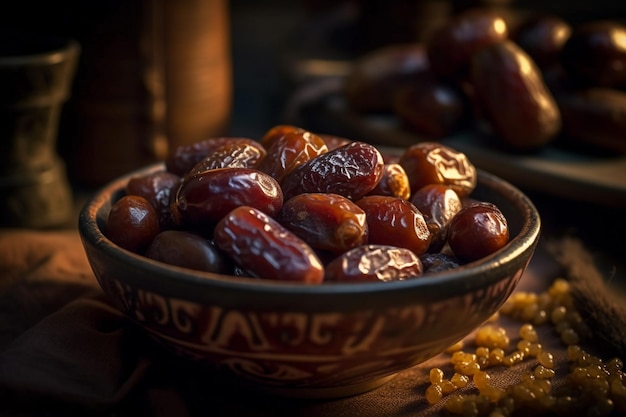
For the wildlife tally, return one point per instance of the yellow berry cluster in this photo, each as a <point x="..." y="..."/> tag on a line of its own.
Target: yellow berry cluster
<point x="590" y="386"/>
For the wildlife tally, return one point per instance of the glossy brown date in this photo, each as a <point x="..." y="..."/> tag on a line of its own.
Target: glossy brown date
<point x="476" y="231"/>
<point x="394" y="182"/>
<point x="433" y="163"/>
<point x="159" y="188"/>
<point x="184" y="157"/>
<point x="290" y="151"/>
<point x="595" y="53"/>
<point x="278" y="132"/>
<point x="234" y="154"/>
<point x="395" y="221"/>
<point x="595" y="117"/>
<point x="265" y="248"/>
<point x="432" y="109"/>
<point x="204" y="198"/>
<point x="439" y="204"/>
<point x="188" y="250"/>
<point x="543" y="36"/>
<point x="132" y="223"/>
<point x="371" y="263"/>
<point x="374" y="78"/>
<point x="451" y="46"/>
<point x="352" y="171"/>
<point x="513" y="97"/>
<point x="325" y="221"/>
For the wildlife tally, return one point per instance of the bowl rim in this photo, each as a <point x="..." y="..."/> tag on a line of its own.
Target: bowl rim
<point x="193" y="284"/>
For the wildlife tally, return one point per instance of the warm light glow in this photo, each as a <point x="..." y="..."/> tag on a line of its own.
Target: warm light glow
<point x="619" y="39"/>
<point x="499" y="26"/>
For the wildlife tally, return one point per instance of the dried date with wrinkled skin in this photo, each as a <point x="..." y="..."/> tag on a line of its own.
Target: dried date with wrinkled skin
<point x="352" y="171"/>
<point x="235" y="154"/>
<point x="435" y="262"/>
<point x="328" y="222"/>
<point x="204" y="198"/>
<point x="371" y="263"/>
<point x="278" y="132"/>
<point x="265" y="248"/>
<point x="476" y="231"/>
<point x="291" y="150"/>
<point x="394" y="182"/>
<point x="433" y="163"/>
<point x="439" y="204"/>
<point x="184" y="157"/>
<point x="395" y="221"/>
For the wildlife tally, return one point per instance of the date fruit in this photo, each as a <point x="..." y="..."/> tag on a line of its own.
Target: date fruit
<point x="595" y="53"/>
<point x="184" y="157"/>
<point x="595" y="116"/>
<point x="159" y="188"/>
<point x="204" y="198"/>
<point x="369" y="263"/>
<point x="394" y="182"/>
<point x="513" y="97"/>
<point x="265" y="248"/>
<point x="352" y="170"/>
<point x="451" y="46"/>
<point x="188" y="250"/>
<point x="132" y="223"/>
<point x="325" y="221"/>
<point x="395" y="221"/>
<point x="439" y="204"/>
<point x="234" y="154"/>
<point x="476" y="231"/>
<point x="291" y="150"/>
<point x="434" y="163"/>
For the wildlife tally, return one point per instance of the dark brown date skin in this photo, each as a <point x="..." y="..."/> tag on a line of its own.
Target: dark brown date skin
<point x="291" y="150"/>
<point x="439" y="204"/>
<point x="595" y="54"/>
<point x="188" y="250"/>
<point x="371" y="263"/>
<point x="543" y="36"/>
<point x="278" y="132"/>
<point x="376" y="76"/>
<point x="184" y="157"/>
<point x="265" y="248"/>
<point x="435" y="262"/>
<point x="159" y="188"/>
<point x="395" y="221"/>
<point x="513" y="97"/>
<point x="595" y="117"/>
<point x="434" y="163"/>
<point x="204" y="198"/>
<point x="394" y="182"/>
<point x="432" y="109"/>
<point x="132" y="223"/>
<point x="476" y="231"/>
<point x="451" y="46"/>
<point x="352" y="171"/>
<point x="235" y="154"/>
<point x="328" y="222"/>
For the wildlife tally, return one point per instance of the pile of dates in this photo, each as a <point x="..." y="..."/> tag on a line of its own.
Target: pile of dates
<point x="311" y="208"/>
<point x="527" y="80"/>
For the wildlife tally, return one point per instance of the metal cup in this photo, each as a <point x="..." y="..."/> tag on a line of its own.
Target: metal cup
<point x="36" y="74"/>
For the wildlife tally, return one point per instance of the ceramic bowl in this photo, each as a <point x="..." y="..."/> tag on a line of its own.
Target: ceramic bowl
<point x="299" y="340"/>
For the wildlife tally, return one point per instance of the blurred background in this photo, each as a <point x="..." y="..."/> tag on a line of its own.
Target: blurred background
<point x="157" y="73"/>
